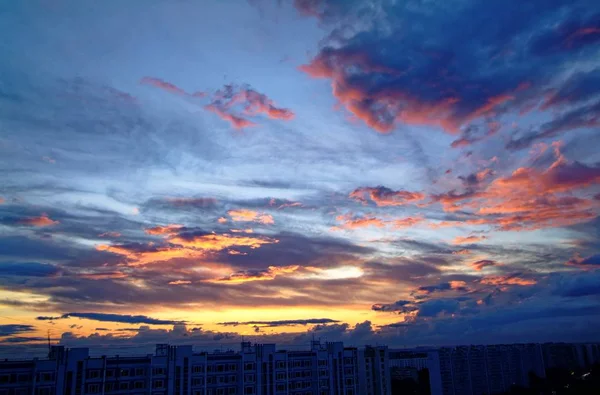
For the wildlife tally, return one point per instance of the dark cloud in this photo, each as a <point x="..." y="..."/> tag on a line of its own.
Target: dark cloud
<point x="432" y="308"/>
<point x="400" y="306"/>
<point x="308" y="321"/>
<point x="27" y="269"/>
<point x="104" y="317"/>
<point x="445" y="75"/>
<point x="14" y="329"/>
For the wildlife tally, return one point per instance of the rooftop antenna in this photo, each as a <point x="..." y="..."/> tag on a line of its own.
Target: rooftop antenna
<point x="49" y="348"/>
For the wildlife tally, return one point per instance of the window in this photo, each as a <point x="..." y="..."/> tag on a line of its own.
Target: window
<point x="323" y="373"/>
<point x="280" y="375"/>
<point x="197" y="381"/>
<point x="220" y="368"/>
<point x="349" y="381"/>
<point x="232" y="378"/>
<point x="123" y="386"/>
<point x="93" y="388"/>
<point x="140" y="372"/>
<point x="110" y="373"/>
<point x="280" y="365"/>
<point x="322" y="362"/>
<point x="157" y="384"/>
<point x="124" y="372"/>
<point x="349" y="392"/>
<point x="47" y="376"/>
<point x="23" y="378"/>
<point x="4" y="378"/>
<point x="109" y="387"/>
<point x="138" y="385"/>
<point x="249" y="366"/>
<point x="249" y="391"/>
<point x="44" y="391"/>
<point x="198" y="369"/>
<point x="249" y="377"/>
<point x="158" y="371"/>
<point x="231" y="391"/>
<point x="220" y="391"/>
<point x="232" y="367"/>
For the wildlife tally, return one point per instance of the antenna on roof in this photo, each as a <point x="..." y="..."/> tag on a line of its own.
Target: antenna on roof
<point x="49" y="348"/>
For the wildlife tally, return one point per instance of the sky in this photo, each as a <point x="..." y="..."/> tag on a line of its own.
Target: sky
<point x="415" y="172"/>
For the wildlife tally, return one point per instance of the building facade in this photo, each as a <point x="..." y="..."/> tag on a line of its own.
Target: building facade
<point x="260" y="369"/>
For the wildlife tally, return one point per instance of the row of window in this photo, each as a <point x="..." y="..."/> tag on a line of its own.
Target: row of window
<point x="123" y="372"/>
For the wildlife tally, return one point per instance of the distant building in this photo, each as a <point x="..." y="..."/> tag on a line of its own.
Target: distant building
<point x="492" y="369"/>
<point x="402" y="360"/>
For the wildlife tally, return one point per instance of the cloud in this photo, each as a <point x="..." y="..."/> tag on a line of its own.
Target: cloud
<point x="28" y="269"/>
<point x="251" y="103"/>
<point x="480" y="265"/>
<point x="435" y="307"/>
<point x="468" y="239"/>
<point x="256" y="275"/>
<point x="15" y="329"/>
<point x="383" y="196"/>
<point x="242" y="215"/>
<point x="590" y="262"/>
<point x="41" y="221"/>
<point x="348" y="221"/>
<point x="400" y="306"/>
<point x="180" y="282"/>
<point x="456" y="79"/>
<point x="235" y="120"/>
<point x="271" y="324"/>
<point x="104" y="317"/>
<point x="168" y="230"/>
<point x="446" y="286"/>
<point x="158" y="83"/>
<point x="508" y="280"/>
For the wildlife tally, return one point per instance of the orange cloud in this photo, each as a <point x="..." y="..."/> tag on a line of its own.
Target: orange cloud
<point x="481" y="264"/>
<point x="217" y="242"/>
<point x="158" y="83"/>
<point x="407" y="222"/>
<point x="460" y="285"/>
<point x="40" y="221"/>
<point x="507" y="280"/>
<point x="383" y="196"/>
<point x="529" y="198"/>
<point x="2" y="201"/>
<point x="468" y="239"/>
<point x="222" y="220"/>
<point x="103" y="276"/>
<point x="236" y="121"/>
<point x="350" y="222"/>
<point x="152" y="255"/>
<point x="243" y="215"/>
<point x="179" y="282"/>
<point x="263" y="275"/>
<point x="164" y="230"/>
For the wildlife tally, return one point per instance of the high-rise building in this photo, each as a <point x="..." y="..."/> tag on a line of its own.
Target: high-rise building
<point x="260" y="369"/>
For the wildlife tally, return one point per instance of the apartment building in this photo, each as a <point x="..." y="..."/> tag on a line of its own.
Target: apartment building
<point x="403" y="361"/>
<point x="260" y="369"/>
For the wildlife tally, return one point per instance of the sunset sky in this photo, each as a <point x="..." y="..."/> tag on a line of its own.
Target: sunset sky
<point x="419" y="172"/>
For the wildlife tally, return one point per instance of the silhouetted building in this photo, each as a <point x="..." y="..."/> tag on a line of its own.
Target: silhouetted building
<point x="324" y="369"/>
